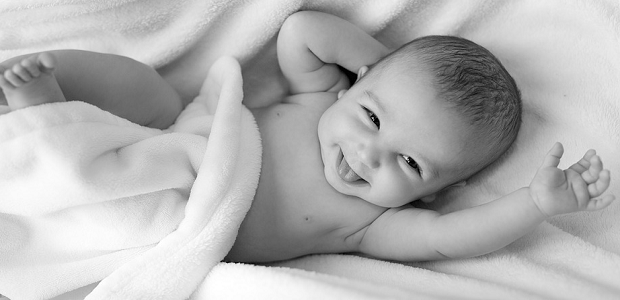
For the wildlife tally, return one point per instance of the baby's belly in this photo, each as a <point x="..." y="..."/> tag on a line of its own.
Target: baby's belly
<point x="263" y="240"/>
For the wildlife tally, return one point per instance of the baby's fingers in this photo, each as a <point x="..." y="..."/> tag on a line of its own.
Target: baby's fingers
<point x="596" y="188"/>
<point x="584" y="163"/>
<point x="592" y="174"/>
<point x="552" y="159"/>
<point x="598" y="204"/>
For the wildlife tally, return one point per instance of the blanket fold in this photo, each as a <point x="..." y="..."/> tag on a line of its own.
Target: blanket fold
<point x="86" y="194"/>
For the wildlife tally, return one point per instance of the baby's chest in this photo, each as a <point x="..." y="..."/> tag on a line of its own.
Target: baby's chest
<point x="297" y="114"/>
<point x="325" y="221"/>
<point x="292" y="189"/>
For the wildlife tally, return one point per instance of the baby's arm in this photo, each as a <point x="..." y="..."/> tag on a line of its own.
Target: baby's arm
<point x="416" y="234"/>
<point x="312" y="44"/>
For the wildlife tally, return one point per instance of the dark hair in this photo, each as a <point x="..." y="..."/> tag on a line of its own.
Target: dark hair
<point x="472" y="81"/>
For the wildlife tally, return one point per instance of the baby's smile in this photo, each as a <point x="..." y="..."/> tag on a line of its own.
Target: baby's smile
<point x="345" y="171"/>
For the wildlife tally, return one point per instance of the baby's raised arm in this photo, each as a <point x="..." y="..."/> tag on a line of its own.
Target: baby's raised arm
<point x="416" y="234"/>
<point x="311" y="45"/>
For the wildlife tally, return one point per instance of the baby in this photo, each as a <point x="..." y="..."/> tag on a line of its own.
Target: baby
<point x="341" y="163"/>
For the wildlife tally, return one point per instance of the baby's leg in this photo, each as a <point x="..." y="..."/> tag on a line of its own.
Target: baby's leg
<point x="118" y="84"/>
<point x="31" y="81"/>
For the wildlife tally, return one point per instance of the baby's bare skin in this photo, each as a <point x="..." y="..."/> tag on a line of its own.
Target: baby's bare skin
<point x="312" y="217"/>
<point x="31" y="81"/>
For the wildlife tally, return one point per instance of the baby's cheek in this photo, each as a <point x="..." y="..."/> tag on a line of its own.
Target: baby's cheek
<point x="408" y="191"/>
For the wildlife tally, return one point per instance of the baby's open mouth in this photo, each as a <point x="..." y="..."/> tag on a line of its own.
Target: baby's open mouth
<point x="344" y="170"/>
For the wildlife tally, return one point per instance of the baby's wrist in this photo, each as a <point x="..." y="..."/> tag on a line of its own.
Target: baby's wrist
<point x="533" y="200"/>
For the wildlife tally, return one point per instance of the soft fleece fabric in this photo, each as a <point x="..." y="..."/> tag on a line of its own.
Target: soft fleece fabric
<point x="87" y="196"/>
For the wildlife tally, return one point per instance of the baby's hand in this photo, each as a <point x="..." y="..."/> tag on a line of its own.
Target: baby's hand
<point x="558" y="192"/>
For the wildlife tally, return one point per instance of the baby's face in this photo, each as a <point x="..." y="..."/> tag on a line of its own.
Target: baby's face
<point x="390" y="141"/>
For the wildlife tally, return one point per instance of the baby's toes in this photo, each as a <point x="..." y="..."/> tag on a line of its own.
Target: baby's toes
<point x="5" y="84"/>
<point x="31" y="66"/>
<point x="22" y="72"/>
<point x="47" y="62"/>
<point x="12" y="78"/>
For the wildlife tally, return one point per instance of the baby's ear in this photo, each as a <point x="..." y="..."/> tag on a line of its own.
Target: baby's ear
<point x="361" y="72"/>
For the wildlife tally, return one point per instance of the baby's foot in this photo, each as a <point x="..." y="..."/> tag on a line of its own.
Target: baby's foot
<point x="31" y="82"/>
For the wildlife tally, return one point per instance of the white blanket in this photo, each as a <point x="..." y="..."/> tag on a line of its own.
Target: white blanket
<point x="87" y="196"/>
<point x="563" y="54"/>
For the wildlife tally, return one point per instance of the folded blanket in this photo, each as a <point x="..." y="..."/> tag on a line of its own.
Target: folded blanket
<point x="562" y="53"/>
<point x="86" y="195"/>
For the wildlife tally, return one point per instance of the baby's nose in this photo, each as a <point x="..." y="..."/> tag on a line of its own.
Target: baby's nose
<point x="370" y="156"/>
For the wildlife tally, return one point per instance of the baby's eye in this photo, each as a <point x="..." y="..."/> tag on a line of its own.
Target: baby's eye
<point x="412" y="164"/>
<point x="373" y="117"/>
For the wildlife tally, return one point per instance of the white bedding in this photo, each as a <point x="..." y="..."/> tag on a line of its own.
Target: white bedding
<point x="89" y="197"/>
<point x="564" y="54"/>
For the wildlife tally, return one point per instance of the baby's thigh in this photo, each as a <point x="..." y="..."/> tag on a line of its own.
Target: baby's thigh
<point x="118" y="84"/>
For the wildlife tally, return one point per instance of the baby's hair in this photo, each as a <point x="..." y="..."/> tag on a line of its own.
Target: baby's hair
<point x="472" y="81"/>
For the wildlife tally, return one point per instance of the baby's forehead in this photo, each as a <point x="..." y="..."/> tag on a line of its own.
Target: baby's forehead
<point x="464" y="154"/>
<point x="394" y="75"/>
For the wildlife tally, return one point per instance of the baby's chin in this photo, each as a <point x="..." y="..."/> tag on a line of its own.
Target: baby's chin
<point x="359" y="194"/>
<point x="365" y="195"/>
